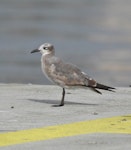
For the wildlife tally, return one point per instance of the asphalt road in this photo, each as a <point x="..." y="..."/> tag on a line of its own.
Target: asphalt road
<point x="88" y="120"/>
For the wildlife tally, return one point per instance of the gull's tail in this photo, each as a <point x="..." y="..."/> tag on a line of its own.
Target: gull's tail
<point x="103" y="87"/>
<point x="95" y="86"/>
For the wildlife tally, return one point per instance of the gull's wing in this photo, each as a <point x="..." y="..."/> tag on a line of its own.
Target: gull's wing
<point x="65" y="74"/>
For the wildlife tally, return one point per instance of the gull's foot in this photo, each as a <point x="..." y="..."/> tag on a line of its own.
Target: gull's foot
<point x="58" y="105"/>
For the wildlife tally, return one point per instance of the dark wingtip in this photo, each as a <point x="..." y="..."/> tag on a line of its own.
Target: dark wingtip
<point x="95" y="90"/>
<point x="111" y="88"/>
<point x="104" y="87"/>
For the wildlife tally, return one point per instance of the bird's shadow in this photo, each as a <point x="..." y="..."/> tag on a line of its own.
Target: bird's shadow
<point x="56" y="102"/>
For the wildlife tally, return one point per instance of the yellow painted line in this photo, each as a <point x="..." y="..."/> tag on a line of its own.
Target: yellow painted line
<point x="120" y="124"/>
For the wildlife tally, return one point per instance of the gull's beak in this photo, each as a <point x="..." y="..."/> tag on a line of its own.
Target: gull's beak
<point x="35" y="50"/>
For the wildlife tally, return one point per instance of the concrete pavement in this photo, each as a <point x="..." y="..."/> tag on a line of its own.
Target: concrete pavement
<point x="27" y="106"/>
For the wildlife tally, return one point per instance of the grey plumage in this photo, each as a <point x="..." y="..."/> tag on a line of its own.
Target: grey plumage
<point x="64" y="74"/>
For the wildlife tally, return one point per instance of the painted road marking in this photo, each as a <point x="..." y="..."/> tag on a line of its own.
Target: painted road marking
<point x="120" y="124"/>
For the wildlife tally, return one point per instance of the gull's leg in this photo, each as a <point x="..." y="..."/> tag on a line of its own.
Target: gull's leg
<point x="63" y="96"/>
<point x="62" y="100"/>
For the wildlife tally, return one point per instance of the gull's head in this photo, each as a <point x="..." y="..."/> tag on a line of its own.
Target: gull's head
<point x="45" y="49"/>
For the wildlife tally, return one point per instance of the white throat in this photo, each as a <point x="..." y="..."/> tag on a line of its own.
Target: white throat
<point x="45" y="53"/>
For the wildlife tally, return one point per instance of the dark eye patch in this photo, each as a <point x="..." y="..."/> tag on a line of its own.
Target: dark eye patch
<point x="45" y="48"/>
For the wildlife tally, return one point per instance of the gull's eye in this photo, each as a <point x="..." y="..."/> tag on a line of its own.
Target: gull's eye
<point x="45" y="48"/>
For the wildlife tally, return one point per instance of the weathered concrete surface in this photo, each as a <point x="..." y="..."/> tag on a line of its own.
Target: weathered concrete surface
<point x="30" y="106"/>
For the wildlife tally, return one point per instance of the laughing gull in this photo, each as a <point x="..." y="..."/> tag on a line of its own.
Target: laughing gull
<point x="64" y="74"/>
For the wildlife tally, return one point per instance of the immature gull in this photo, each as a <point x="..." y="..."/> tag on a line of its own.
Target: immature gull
<point x="64" y="74"/>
